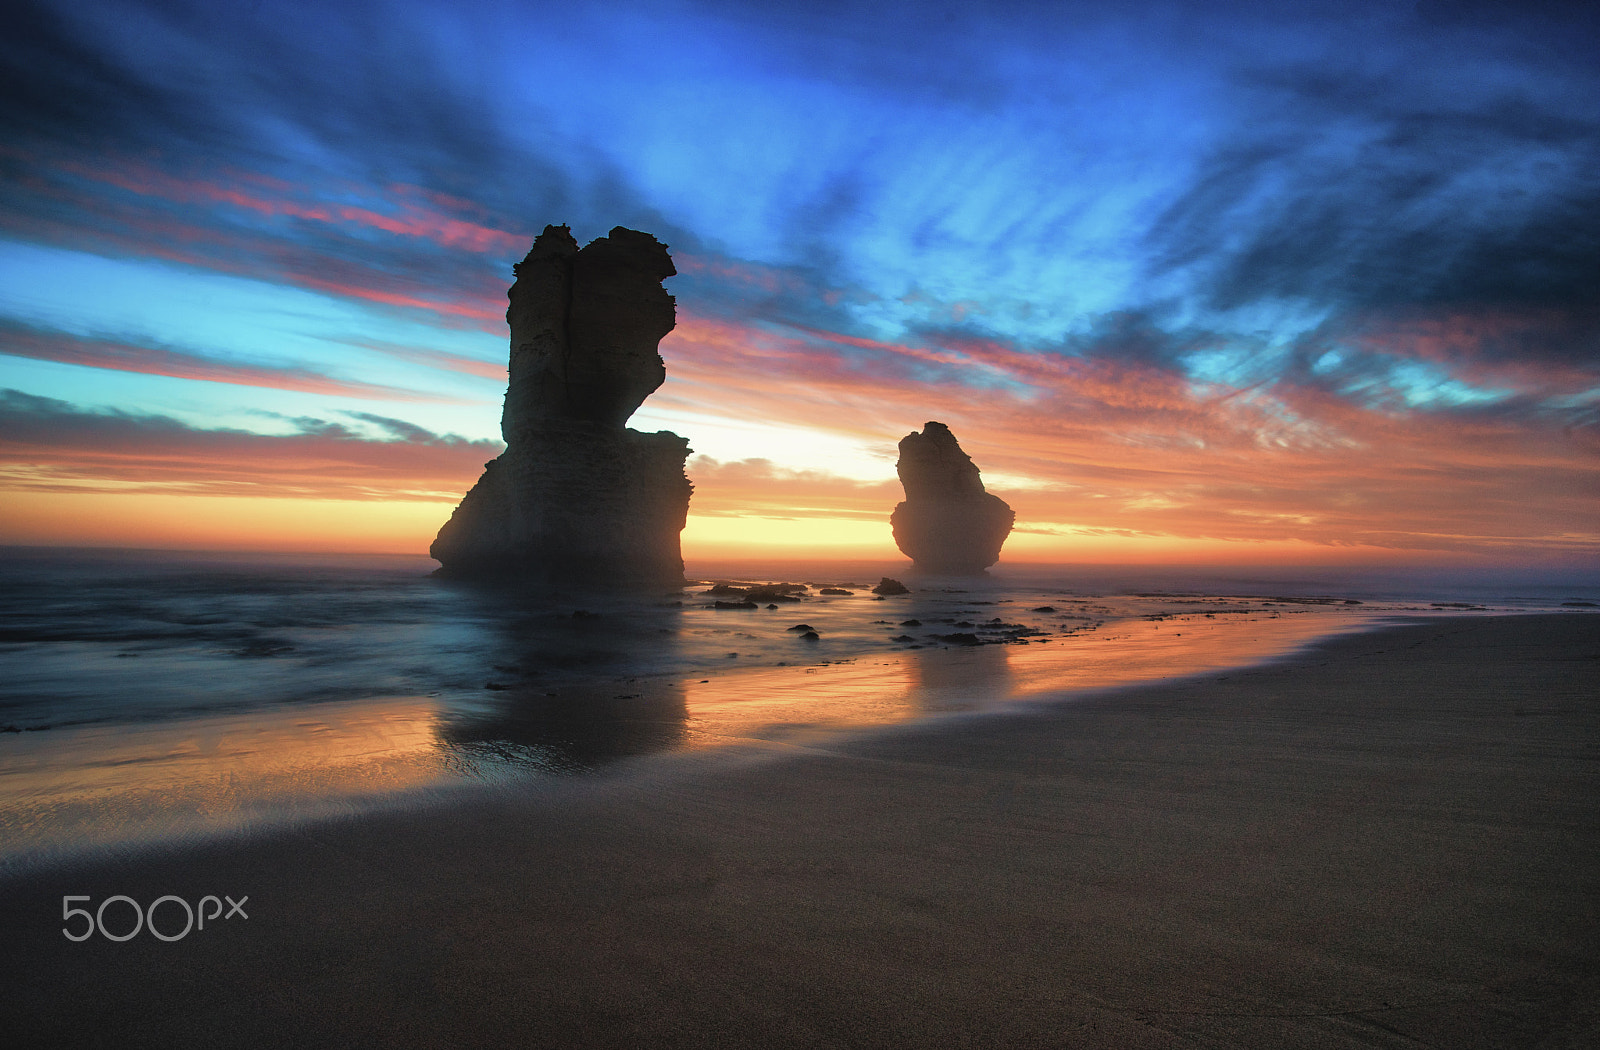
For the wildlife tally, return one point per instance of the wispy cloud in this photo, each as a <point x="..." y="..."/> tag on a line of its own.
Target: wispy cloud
<point x="51" y="445"/>
<point x="1093" y="441"/>
<point x="757" y="487"/>
<point x="472" y="366"/>
<point x="121" y="355"/>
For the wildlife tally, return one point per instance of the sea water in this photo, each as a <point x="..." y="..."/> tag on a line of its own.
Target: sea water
<point x="147" y="696"/>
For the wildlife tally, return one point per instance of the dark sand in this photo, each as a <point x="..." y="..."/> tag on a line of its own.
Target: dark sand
<point x="1392" y="840"/>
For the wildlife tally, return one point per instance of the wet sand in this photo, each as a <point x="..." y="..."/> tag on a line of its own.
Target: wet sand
<point x="103" y="764"/>
<point x="1392" y="839"/>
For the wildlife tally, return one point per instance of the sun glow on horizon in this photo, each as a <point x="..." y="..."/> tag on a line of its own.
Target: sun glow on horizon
<point x="244" y="523"/>
<point x="160" y="521"/>
<point x="744" y="535"/>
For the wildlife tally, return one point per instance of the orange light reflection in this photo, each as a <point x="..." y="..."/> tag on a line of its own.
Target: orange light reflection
<point x="94" y="785"/>
<point x="800" y="705"/>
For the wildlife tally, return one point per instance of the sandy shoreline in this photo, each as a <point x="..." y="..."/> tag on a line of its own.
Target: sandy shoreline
<point x="1388" y="840"/>
<point x="101" y="760"/>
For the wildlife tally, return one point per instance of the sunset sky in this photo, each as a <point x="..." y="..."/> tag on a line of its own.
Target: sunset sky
<point x="1190" y="281"/>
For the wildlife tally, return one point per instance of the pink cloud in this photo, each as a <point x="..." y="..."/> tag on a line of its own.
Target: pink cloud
<point x="409" y="212"/>
<point x="20" y="341"/>
<point x="1107" y="444"/>
<point x="440" y="359"/>
<point x="147" y="219"/>
<point x="756" y="486"/>
<point x="52" y="447"/>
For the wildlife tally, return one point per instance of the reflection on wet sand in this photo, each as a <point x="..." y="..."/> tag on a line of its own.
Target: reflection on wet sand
<point x="951" y="680"/>
<point x="805" y="704"/>
<point x="571" y="689"/>
<point x="576" y="730"/>
<point x="98" y="784"/>
<point x="389" y="688"/>
<point x="543" y="707"/>
<point x="1170" y="645"/>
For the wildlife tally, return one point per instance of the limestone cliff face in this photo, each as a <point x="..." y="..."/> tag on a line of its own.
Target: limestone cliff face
<point x="576" y="495"/>
<point x="948" y="523"/>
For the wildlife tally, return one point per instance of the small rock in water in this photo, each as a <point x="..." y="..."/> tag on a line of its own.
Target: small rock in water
<point x="776" y="592"/>
<point x="888" y="586"/>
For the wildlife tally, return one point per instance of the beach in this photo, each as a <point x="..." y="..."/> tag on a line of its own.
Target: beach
<point x="1387" y="839"/>
<point x="157" y="696"/>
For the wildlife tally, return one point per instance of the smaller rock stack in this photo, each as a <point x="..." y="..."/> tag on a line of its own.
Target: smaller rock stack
<point x="948" y="524"/>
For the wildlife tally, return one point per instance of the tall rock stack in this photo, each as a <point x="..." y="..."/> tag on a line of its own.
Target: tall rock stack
<point x="577" y="496"/>
<point x="948" y="524"/>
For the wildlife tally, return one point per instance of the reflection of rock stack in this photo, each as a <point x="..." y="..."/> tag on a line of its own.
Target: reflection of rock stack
<point x="576" y="495"/>
<point x="948" y="523"/>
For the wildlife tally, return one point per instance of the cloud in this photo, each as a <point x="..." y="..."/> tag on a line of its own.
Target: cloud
<point x="349" y="153"/>
<point x="472" y="366"/>
<point x="396" y="153"/>
<point x="398" y="429"/>
<point x="272" y="199"/>
<point x="177" y="75"/>
<point x="52" y="445"/>
<point x="757" y="487"/>
<point x="56" y="84"/>
<point x="1101" y="441"/>
<point x="124" y="355"/>
<point x="1478" y="359"/>
<point x="397" y="248"/>
<point x="1369" y="191"/>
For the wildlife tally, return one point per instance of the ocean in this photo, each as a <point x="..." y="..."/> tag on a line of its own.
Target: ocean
<point x="147" y="697"/>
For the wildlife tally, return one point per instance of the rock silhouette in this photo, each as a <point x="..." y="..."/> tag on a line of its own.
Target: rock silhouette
<point x="947" y="523"/>
<point x="577" y="496"/>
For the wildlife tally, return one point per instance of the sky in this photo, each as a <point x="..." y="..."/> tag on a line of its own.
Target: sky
<point x="1215" y="282"/>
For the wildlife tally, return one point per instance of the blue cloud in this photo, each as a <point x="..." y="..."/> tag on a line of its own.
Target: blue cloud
<point x="1239" y="178"/>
